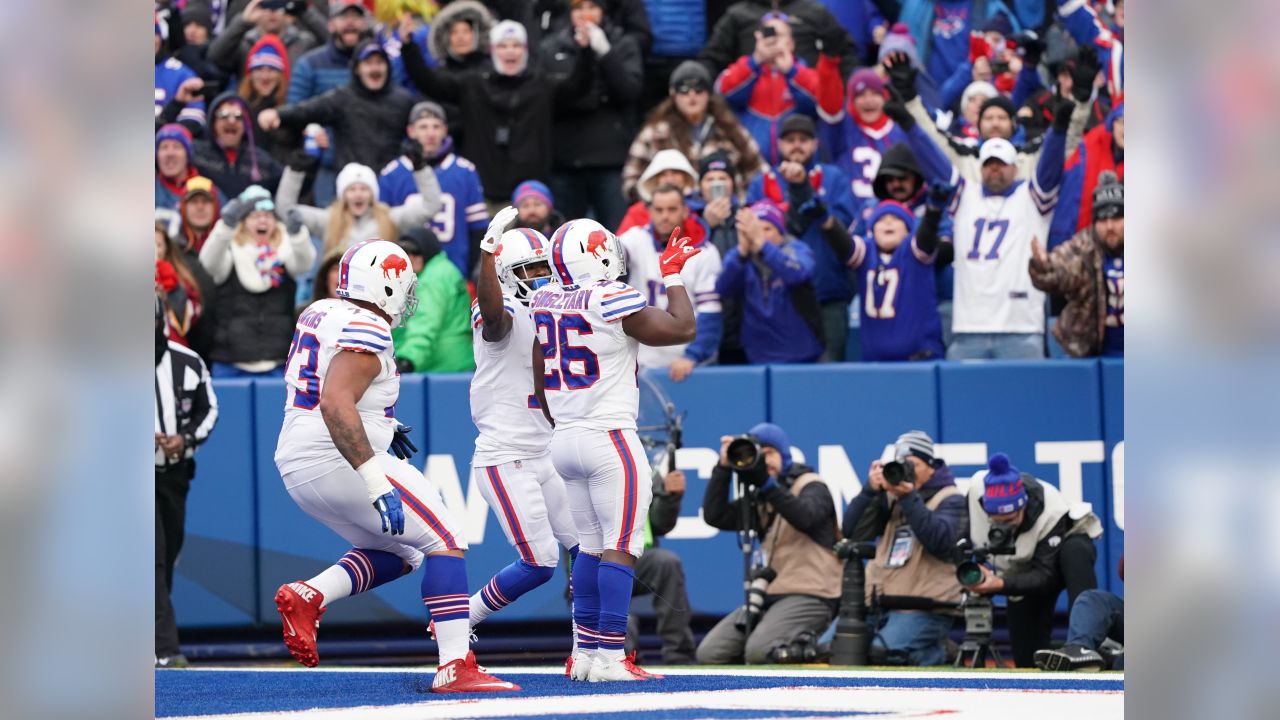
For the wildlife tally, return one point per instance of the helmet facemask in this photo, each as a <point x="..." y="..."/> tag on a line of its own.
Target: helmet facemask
<point x="516" y="277"/>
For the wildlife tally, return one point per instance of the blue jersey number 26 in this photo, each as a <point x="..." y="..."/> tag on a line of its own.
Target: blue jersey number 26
<point x="553" y="336"/>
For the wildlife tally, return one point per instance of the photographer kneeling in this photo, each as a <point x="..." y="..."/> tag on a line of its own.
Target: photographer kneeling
<point x="793" y="514"/>
<point x="913" y="505"/>
<point x="1038" y="543"/>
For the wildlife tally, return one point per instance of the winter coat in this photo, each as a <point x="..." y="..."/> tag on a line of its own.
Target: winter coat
<point x="811" y="25"/>
<point x="508" y="117"/>
<point x="368" y="124"/>
<point x="634" y="18"/>
<point x="319" y="71"/>
<point x="1075" y="270"/>
<point x="762" y="97"/>
<point x="592" y="130"/>
<point x="657" y="136"/>
<point x="777" y="295"/>
<point x="250" y="166"/>
<point x="230" y="48"/>
<point x="482" y="21"/>
<point x="255" y="317"/>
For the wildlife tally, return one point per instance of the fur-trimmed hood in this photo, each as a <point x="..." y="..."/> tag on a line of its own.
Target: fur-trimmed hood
<point x="471" y="11"/>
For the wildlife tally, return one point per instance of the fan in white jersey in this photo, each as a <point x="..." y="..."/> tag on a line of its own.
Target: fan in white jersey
<point x="342" y="387"/>
<point x="643" y="247"/>
<point x="512" y="461"/>
<point x="590" y="328"/>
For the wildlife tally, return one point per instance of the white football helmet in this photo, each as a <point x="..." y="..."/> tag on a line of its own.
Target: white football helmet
<point x="379" y="272"/>
<point x="522" y="248"/>
<point x="584" y="252"/>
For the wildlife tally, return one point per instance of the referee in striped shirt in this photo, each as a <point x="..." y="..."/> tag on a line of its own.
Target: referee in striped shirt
<point x="186" y="410"/>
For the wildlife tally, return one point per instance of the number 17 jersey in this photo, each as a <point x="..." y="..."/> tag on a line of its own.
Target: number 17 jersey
<point x="591" y="363"/>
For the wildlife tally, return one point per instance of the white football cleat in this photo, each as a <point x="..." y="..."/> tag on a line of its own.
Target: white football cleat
<point x="623" y="670"/>
<point x="579" y="665"/>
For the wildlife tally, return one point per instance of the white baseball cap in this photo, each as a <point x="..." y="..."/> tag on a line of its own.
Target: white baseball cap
<point x="998" y="149"/>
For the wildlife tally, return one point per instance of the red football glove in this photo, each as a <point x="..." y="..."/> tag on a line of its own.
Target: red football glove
<point x="677" y="254"/>
<point x="166" y="276"/>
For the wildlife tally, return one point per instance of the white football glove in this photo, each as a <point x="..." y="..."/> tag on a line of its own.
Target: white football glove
<point x="502" y="222"/>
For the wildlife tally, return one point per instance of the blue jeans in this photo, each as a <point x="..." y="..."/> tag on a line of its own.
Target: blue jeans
<point x="1096" y="615"/>
<point x="227" y="370"/>
<point x="996" y="346"/>
<point x="918" y="634"/>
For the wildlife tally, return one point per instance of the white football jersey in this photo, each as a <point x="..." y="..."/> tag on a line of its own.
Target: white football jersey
<point x="323" y="330"/>
<point x="591" y="364"/>
<point x="503" y="406"/>
<point x="644" y="273"/>
<point x="993" y="234"/>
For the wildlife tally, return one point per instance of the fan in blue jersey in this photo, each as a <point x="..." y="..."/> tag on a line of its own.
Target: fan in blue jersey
<point x="855" y="129"/>
<point x="894" y="268"/>
<point x="462" y="219"/>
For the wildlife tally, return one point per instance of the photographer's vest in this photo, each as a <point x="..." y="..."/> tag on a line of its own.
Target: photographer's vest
<point x="922" y="575"/>
<point x="1024" y="545"/>
<point x="804" y="567"/>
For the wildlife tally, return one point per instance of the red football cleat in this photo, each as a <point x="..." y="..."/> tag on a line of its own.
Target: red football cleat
<point x="299" y="606"/>
<point x="464" y="675"/>
<point x="568" y="667"/>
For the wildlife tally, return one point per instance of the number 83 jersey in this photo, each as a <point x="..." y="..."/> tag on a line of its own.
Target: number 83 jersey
<point x="591" y="363"/>
<point x="324" y="329"/>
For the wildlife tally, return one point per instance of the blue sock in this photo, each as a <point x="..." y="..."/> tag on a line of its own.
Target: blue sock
<point x="370" y="568"/>
<point x="573" y="555"/>
<point x="444" y="592"/>
<point x="615" y="583"/>
<point x="586" y="600"/>
<point x="510" y="583"/>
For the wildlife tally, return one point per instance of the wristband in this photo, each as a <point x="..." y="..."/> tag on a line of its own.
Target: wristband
<point x="673" y="280"/>
<point x="374" y="479"/>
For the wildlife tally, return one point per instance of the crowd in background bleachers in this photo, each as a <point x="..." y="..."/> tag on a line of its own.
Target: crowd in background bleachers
<point x="941" y="163"/>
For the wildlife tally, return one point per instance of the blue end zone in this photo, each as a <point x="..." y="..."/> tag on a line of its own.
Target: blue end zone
<point x="185" y="692"/>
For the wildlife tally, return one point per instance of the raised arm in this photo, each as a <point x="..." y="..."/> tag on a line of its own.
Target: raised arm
<point x="497" y="323"/>
<point x="287" y="200"/>
<point x="416" y="212"/>
<point x="430" y="82"/>
<point x="676" y="325"/>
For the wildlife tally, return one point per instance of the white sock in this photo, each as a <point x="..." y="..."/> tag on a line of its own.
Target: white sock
<point x="334" y="583"/>
<point x="454" y="639"/>
<point x="479" y="610"/>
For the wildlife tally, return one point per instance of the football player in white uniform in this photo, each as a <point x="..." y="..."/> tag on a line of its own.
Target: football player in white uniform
<point x="589" y="329"/>
<point x="512" y="461"/>
<point x="342" y="387"/>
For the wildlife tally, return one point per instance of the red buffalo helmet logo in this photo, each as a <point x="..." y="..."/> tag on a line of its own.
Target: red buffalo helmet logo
<point x="595" y="242"/>
<point x="393" y="262"/>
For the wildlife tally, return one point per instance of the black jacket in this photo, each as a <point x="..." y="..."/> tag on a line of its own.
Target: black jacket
<point x="253" y="326"/>
<point x="594" y="129"/>
<point x="631" y="16"/>
<point x="368" y="124"/>
<point x="868" y="513"/>
<point x="508" y="118"/>
<point x="252" y="166"/>
<point x="1042" y="574"/>
<point x="811" y="24"/>
<point x="812" y="512"/>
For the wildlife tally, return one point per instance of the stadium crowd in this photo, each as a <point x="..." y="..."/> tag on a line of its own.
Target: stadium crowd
<point x="873" y="180"/>
<point x="882" y="181"/>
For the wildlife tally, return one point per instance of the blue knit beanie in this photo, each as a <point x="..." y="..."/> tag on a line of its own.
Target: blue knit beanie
<point x="896" y="209"/>
<point x="771" y="435"/>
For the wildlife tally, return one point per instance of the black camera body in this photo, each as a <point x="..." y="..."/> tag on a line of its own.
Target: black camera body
<point x="969" y="558"/>
<point x="897" y="472"/>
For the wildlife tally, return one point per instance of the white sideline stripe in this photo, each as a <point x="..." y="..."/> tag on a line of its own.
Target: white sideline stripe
<point x="885" y="702"/>
<point x="799" y="672"/>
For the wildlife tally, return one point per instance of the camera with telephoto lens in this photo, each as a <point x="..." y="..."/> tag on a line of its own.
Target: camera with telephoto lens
<point x="746" y="457"/>
<point x="760" y="579"/>
<point x="969" y="559"/>
<point x="899" y="471"/>
<point x="852" y="640"/>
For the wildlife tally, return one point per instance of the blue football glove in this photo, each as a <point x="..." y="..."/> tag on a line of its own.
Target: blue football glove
<point x="391" y="511"/>
<point x="401" y="446"/>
